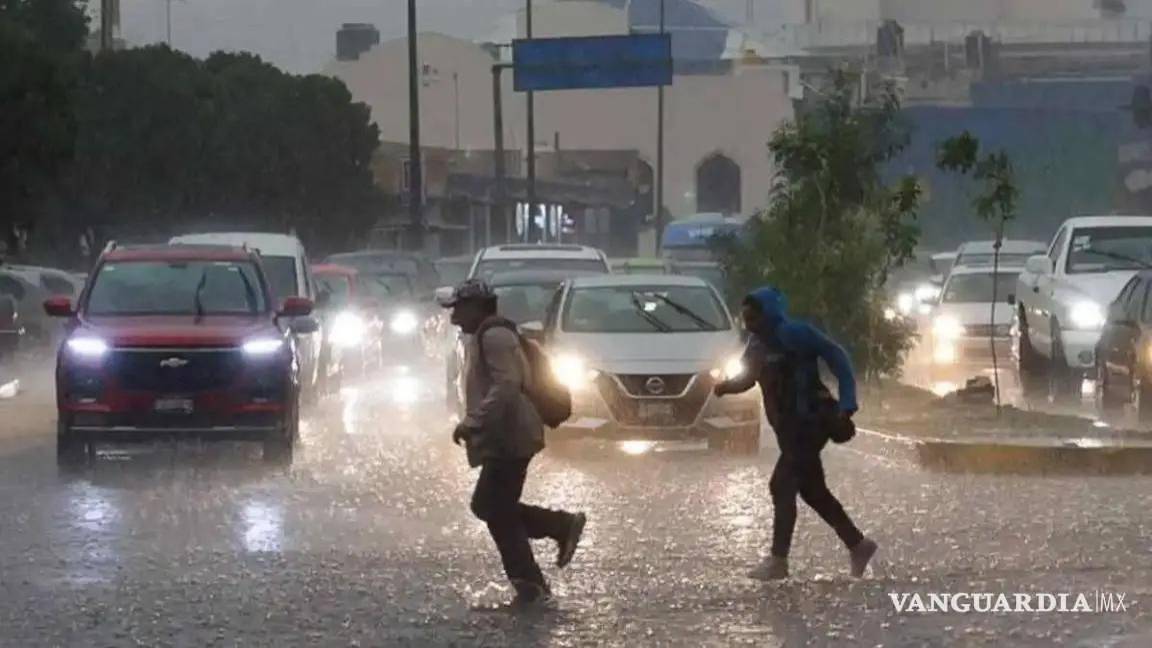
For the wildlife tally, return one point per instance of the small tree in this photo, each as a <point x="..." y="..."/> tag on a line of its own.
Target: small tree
<point x="833" y="228"/>
<point x="995" y="205"/>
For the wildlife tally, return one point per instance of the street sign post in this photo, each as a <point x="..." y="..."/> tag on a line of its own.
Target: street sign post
<point x="634" y="61"/>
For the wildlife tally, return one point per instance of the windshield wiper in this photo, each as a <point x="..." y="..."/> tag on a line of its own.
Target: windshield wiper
<point x="196" y="301"/>
<point x="704" y="324"/>
<point x="249" y="292"/>
<point x="660" y="324"/>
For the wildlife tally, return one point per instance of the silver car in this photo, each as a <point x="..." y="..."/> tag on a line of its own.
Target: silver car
<point x="641" y="354"/>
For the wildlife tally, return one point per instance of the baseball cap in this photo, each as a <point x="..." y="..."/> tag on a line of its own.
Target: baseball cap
<point x="470" y="289"/>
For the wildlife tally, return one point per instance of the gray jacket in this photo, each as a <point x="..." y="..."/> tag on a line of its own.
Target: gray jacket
<point x="507" y="424"/>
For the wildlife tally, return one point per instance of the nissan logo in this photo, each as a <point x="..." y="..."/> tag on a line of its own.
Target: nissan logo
<point x="654" y="385"/>
<point x="173" y="363"/>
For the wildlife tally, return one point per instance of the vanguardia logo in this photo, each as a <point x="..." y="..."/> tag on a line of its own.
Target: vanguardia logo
<point x="1096" y="602"/>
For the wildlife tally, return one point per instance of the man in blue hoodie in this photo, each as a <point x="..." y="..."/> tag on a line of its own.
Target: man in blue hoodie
<point x="782" y="356"/>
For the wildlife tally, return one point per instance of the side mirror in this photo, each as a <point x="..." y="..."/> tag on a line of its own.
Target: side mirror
<point x="533" y="330"/>
<point x="444" y="294"/>
<point x="59" y="307"/>
<point x="1039" y="265"/>
<point x="296" y="307"/>
<point x="1011" y="300"/>
<point x="304" y="325"/>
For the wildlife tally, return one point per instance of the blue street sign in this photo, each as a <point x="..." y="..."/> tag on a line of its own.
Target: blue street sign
<point x="639" y="60"/>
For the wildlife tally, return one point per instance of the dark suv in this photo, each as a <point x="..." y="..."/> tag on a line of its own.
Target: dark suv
<point x="178" y="341"/>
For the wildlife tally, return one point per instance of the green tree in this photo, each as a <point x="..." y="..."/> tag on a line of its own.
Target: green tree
<point x="995" y="205"/>
<point x="833" y="230"/>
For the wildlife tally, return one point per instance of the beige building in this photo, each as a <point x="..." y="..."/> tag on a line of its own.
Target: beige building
<point x="717" y="123"/>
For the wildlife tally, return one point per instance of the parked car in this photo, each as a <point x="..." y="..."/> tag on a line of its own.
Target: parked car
<point x="641" y="354"/>
<point x="185" y="341"/>
<point x="509" y="258"/>
<point x="425" y="277"/>
<point x="353" y="324"/>
<point x="285" y="264"/>
<point x="968" y="324"/>
<point x="1062" y="297"/>
<point x="640" y="265"/>
<point x="1124" y="354"/>
<point x="29" y="286"/>
<point x="1012" y="253"/>
<point x="523" y="296"/>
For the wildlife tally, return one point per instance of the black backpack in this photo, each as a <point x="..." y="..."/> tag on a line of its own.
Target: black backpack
<point x="552" y="400"/>
<point x="824" y="406"/>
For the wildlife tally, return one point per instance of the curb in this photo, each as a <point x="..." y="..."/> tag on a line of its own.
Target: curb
<point x="1050" y="456"/>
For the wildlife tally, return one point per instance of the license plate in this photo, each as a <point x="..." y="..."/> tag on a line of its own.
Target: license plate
<point x="174" y="405"/>
<point x="650" y="411"/>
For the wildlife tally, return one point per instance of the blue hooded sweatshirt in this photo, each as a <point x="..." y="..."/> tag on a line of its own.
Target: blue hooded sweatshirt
<point x="806" y="342"/>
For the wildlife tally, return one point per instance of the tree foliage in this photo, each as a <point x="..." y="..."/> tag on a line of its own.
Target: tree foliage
<point x="149" y="141"/>
<point x="833" y="230"/>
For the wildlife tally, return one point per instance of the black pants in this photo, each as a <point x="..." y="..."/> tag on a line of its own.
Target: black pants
<point x="496" y="501"/>
<point x="799" y="471"/>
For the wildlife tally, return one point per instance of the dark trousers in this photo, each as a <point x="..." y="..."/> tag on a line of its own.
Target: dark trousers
<point x="799" y="471"/>
<point x="496" y="501"/>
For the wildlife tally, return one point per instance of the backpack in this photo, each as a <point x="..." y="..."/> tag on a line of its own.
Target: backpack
<point x="552" y="400"/>
<point x="824" y="406"/>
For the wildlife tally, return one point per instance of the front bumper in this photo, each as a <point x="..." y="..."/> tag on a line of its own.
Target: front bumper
<point x="606" y="410"/>
<point x="1080" y="348"/>
<point x="146" y="426"/>
<point x="966" y="351"/>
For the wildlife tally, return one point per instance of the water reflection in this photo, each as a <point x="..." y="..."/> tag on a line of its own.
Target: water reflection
<point x="263" y="526"/>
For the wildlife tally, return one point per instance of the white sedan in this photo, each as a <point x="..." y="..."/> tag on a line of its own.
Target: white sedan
<point x="641" y="354"/>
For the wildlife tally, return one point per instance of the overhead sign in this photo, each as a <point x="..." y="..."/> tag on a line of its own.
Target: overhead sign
<point x="641" y="60"/>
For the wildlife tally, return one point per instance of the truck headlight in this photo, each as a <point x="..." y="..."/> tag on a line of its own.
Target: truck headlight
<point x="88" y="347"/>
<point x="404" y="323"/>
<point x="947" y="327"/>
<point x="571" y="370"/>
<point x="347" y="330"/>
<point x="1086" y="315"/>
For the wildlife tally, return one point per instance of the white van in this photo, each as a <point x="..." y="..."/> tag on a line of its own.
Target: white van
<point x="285" y="264"/>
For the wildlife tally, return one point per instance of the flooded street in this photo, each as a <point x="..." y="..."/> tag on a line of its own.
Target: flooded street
<point x="367" y="540"/>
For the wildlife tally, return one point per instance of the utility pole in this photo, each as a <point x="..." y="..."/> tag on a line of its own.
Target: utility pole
<point x="168" y="22"/>
<point x="415" y="174"/>
<point x="109" y="10"/>
<point x="498" y="151"/>
<point x="529" y="227"/>
<point x="658" y="194"/>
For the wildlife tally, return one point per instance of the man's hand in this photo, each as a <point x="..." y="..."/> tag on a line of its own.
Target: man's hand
<point x="462" y="433"/>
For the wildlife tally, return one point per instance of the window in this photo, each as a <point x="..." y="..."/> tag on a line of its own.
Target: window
<point x="525" y="302"/>
<point x="1133" y="301"/>
<point x="643" y="309"/>
<point x="385" y="286"/>
<point x="12" y="287"/>
<point x="1058" y="245"/>
<point x="1110" y="249"/>
<point x="977" y="288"/>
<point x="177" y="288"/>
<point x="489" y="267"/>
<point x="337" y="287"/>
<point x="281" y="274"/>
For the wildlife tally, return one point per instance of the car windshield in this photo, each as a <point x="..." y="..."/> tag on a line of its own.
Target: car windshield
<point x="453" y="272"/>
<point x="1104" y="249"/>
<point x="177" y="288"/>
<point x="338" y="287"/>
<point x="643" y="309"/>
<point x="281" y="273"/>
<point x="399" y="264"/>
<point x="525" y="302"/>
<point x="1006" y="259"/>
<point x="712" y="274"/>
<point x="385" y="286"/>
<point x="489" y="267"/>
<point x="977" y="288"/>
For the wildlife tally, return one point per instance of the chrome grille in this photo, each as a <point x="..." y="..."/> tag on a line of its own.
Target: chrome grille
<point x="175" y="371"/>
<point x="679" y="410"/>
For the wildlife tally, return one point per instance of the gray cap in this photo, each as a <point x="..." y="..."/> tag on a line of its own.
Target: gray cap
<point x="470" y="289"/>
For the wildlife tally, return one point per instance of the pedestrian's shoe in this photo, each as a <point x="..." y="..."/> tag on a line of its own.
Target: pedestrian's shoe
<point x="531" y="595"/>
<point x="770" y="569"/>
<point x="860" y="555"/>
<point x="567" y="544"/>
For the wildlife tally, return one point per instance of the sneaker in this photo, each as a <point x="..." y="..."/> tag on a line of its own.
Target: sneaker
<point x="567" y="545"/>
<point x="531" y="595"/>
<point x="770" y="569"/>
<point x="860" y="555"/>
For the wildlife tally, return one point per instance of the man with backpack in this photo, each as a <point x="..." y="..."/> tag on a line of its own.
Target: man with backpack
<point x="782" y="356"/>
<point x="502" y="430"/>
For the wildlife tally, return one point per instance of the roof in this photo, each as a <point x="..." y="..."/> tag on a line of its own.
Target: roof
<point x="1110" y="221"/>
<point x="536" y="251"/>
<point x="333" y="269"/>
<point x="178" y="253"/>
<point x="533" y="277"/>
<point x="638" y="280"/>
<point x="986" y="269"/>
<point x="268" y="244"/>
<point x="652" y="262"/>
<point x="1006" y="246"/>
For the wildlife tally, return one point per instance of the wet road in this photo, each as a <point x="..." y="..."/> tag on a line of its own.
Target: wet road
<point x="367" y="541"/>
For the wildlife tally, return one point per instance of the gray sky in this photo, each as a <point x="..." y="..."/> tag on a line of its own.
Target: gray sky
<point x="300" y="35"/>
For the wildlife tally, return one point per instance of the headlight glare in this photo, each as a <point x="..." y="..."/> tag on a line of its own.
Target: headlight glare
<point x="1086" y="315"/>
<point x="571" y="370"/>
<point x="263" y="346"/>
<point x="404" y="323"/>
<point x="89" y="347"/>
<point x="947" y="327"/>
<point x="347" y="330"/>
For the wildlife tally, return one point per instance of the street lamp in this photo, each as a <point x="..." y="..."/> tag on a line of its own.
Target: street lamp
<point x="416" y="176"/>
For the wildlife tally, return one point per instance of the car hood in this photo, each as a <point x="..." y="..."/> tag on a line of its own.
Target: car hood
<point x="977" y="314"/>
<point x="1100" y="287"/>
<point x="178" y="330"/>
<point x="628" y="353"/>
